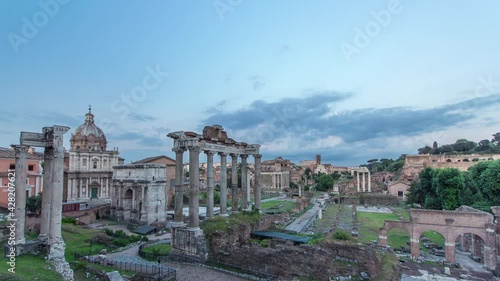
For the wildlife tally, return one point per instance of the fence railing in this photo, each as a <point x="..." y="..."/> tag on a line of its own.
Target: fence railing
<point x="153" y="271"/>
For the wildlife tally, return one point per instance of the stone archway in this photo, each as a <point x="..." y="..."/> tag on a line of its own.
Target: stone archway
<point x="450" y="224"/>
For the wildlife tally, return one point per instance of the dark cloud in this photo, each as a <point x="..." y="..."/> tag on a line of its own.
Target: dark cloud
<point x="257" y="81"/>
<point x="141" y="117"/>
<point x="315" y="117"/>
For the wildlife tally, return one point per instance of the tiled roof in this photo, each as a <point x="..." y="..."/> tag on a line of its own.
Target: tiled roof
<point x="150" y="159"/>
<point x="11" y="154"/>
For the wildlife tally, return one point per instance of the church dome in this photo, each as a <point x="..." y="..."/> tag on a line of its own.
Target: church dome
<point x="88" y="137"/>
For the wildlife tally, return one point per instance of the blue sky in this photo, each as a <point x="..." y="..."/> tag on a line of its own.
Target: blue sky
<point x="350" y="80"/>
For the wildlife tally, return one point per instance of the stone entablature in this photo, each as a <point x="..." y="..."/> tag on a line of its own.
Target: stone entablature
<point x="139" y="193"/>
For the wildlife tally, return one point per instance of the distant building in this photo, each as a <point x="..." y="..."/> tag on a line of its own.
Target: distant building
<point x="34" y="178"/>
<point x="399" y="189"/>
<point x="275" y="174"/>
<point x="90" y="165"/>
<point x="416" y="163"/>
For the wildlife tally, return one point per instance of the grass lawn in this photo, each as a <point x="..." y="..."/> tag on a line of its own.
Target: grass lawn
<point x="434" y="237"/>
<point x="158" y="249"/>
<point x="371" y="223"/>
<point x="222" y="223"/>
<point x="76" y="239"/>
<point x="29" y="268"/>
<point x="278" y="205"/>
<point x="402" y="212"/>
<point x="328" y="217"/>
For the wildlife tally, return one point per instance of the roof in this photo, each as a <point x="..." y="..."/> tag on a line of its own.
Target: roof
<point x="10" y="153"/>
<point x="144" y="229"/>
<point x="155" y="158"/>
<point x="281" y="235"/>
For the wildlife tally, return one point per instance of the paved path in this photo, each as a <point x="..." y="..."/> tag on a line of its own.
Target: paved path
<point x="301" y="222"/>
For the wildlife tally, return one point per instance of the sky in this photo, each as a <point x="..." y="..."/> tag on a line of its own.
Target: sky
<point x="350" y="80"/>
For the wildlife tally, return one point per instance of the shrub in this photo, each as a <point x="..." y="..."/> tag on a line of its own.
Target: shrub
<point x="69" y="220"/>
<point x="109" y="232"/>
<point x="120" y="242"/>
<point x="263" y="243"/>
<point x="145" y="238"/>
<point x="120" y="234"/>
<point x="342" y="235"/>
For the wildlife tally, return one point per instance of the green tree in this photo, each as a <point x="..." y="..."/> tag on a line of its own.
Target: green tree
<point x="34" y="204"/>
<point x="324" y="182"/>
<point x="448" y="183"/>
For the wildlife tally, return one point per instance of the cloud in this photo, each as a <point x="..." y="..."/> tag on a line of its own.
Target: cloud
<point x="56" y="118"/>
<point x="140" y="139"/>
<point x="141" y="117"/>
<point x="257" y="81"/>
<point x="291" y="125"/>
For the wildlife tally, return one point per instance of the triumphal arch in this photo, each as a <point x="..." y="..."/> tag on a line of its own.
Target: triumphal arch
<point x="188" y="241"/>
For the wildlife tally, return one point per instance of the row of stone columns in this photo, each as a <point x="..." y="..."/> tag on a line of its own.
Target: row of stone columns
<point x="194" y="184"/>
<point x="363" y="181"/>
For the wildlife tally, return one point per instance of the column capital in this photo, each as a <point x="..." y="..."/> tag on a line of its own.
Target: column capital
<point x="194" y="149"/>
<point x="179" y="150"/>
<point x="20" y="149"/>
<point x="234" y="155"/>
<point x="209" y="152"/>
<point x="257" y="155"/>
<point x="222" y="154"/>
<point x="244" y="156"/>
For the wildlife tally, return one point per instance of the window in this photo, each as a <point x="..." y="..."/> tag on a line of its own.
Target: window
<point x="12" y="166"/>
<point x="400" y="193"/>
<point x="84" y="162"/>
<point x="31" y="167"/>
<point x="95" y="165"/>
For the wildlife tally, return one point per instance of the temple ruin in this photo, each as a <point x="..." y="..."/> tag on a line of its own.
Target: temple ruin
<point x="188" y="241"/>
<point x="50" y="236"/>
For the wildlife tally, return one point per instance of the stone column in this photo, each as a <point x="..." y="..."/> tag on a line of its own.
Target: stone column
<point x="357" y="180"/>
<point x="56" y="242"/>
<point x="48" y="158"/>
<point x="179" y="192"/>
<point x="449" y="251"/>
<point x="234" y="182"/>
<point x="369" y="182"/>
<point x="476" y="245"/>
<point x="415" y="248"/>
<point x="364" y="183"/>
<point x="20" y="191"/>
<point x="210" y="183"/>
<point x="257" y="187"/>
<point x="382" y="240"/>
<point x="490" y="251"/>
<point x="194" y="188"/>
<point x="223" y="184"/>
<point x="244" y="183"/>
<point x="143" y="213"/>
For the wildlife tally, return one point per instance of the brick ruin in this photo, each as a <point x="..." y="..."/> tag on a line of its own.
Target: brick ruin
<point x="453" y="226"/>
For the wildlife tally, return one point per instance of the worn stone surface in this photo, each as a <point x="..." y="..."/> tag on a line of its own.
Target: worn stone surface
<point x="62" y="267"/>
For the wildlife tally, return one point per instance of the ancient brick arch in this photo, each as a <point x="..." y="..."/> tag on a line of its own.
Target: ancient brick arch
<point x="450" y="224"/>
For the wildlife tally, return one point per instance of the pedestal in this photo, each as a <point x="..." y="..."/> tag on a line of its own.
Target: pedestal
<point x="189" y="244"/>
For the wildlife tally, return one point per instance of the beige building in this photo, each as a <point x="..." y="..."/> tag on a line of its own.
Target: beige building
<point x="90" y="164"/>
<point x="275" y="174"/>
<point x="399" y="189"/>
<point x="416" y="163"/>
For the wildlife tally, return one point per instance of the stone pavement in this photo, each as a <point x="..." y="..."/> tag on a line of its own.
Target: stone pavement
<point x="302" y="222"/>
